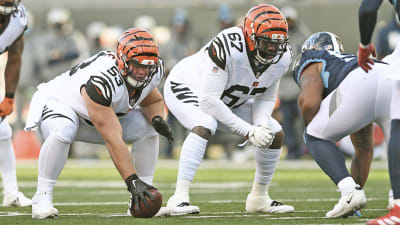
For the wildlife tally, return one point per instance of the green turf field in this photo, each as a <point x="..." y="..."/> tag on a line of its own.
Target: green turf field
<point x="93" y="193"/>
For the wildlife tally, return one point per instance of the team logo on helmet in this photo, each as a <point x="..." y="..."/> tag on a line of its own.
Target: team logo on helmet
<point x="8" y="6"/>
<point x="266" y="32"/>
<point x="323" y="41"/>
<point x="137" y="50"/>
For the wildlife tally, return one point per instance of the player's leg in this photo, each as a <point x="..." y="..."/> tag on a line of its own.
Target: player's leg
<point x="363" y="145"/>
<point x="201" y="127"/>
<point x="343" y="112"/>
<point x="266" y="162"/>
<point x="58" y="128"/>
<point x="12" y="197"/>
<point x="393" y="217"/>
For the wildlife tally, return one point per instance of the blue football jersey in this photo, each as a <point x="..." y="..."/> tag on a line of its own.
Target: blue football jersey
<point x="335" y="68"/>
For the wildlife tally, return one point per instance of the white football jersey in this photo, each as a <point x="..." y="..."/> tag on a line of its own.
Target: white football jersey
<point x="100" y="75"/>
<point x="16" y="27"/>
<point x="227" y="55"/>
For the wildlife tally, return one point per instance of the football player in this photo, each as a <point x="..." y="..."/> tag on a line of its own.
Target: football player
<point x="367" y="19"/>
<point x="333" y="108"/>
<point x="13" y="23"/>
<point x="232" y="82"/>
<point x="110" y="98"/>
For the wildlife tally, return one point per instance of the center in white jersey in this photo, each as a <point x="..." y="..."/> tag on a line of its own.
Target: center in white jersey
<point x="99" y="74"/>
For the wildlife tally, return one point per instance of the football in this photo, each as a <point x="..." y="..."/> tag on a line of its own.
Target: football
<point x="154" y="206"/>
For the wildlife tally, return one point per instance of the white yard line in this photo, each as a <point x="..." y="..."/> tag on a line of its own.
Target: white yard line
<point x="209" y="202"/>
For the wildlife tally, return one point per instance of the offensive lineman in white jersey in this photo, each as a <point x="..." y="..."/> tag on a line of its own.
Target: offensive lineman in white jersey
<point x="13" y="22"/>
<point x="233" y="80"/>
<point x="109" y="98"/>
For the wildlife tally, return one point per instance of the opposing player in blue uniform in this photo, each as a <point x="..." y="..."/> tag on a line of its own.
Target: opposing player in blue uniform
<point x="338" y="99"/>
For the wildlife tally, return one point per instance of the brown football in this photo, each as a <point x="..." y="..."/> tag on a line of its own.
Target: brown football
<point x="154" y="206"/>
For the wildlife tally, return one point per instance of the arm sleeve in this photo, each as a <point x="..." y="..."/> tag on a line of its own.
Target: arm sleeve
<point x="98" y="89"/>
<point x="264" y="105"/>
<point x="212" y="88"/>
<point x="367" y="15"/>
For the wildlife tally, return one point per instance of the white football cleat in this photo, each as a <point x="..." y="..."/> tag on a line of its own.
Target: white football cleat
<point x="18" y="200"/>
<point x="390" y="200"/>
<point x="348" y="203"/>
<point x="163" y="212"/>
<point x="258" y="204"/>
<point x="178" y="204"/>
<point x="42" y="207"/>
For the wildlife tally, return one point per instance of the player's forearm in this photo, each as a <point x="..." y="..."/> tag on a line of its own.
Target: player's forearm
<point x="367" y="16"/>
<point x="121" y="157"/>
<point x="216" y="108"/>
<point x="307" y="109"/>
<point x="12" y="73"/>
<point x="154" y="109"/>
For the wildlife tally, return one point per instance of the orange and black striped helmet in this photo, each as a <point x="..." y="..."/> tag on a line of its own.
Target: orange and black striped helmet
<point x="8" y="6"/>
<point x="137" y="48"/>
<point x="266" y="32"/>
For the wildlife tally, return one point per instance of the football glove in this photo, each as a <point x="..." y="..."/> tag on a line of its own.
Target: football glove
<point x="363" y="54"/>
<point x="6" y="106"/>
<point x="163" y="128"/>
<point x="261" y="136"/>
<point x="139" y="190"/>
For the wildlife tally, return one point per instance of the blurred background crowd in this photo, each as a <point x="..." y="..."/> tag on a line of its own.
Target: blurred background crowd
<point x="62" y="33"/>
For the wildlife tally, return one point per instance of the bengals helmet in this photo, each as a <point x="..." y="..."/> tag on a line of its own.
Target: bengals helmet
<point x="137" y="57"/>
<point x="323" y="41"/>
<point x="8" y="6"/>
<point x="266" y="32"/>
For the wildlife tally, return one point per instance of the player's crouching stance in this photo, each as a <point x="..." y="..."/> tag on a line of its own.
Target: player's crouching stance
<point x="232" y="81"/>
<point x="338" y="99"/>
<point x="110" y="98"/>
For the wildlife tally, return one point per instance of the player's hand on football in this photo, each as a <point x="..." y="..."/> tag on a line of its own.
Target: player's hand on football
<point x="6" y="106"/>
<point x="261" y="136"/>
<point x="363" y="56"/>
<point x="139" y="190"/>
<point x="163" y="128"/>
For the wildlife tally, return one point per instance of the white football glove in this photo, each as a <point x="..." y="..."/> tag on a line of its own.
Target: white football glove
<point x="261" y="136"/>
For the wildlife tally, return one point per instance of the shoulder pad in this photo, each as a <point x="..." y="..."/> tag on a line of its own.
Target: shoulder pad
<point x="216" y="51"/>
<point x="99" y="90"/>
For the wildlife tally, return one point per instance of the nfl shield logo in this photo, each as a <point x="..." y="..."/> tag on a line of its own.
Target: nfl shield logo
<point x="255" y="84"/>
<point x="215" y="69"/>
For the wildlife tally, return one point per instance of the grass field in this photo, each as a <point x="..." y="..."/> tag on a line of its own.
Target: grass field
<point x="93" y="193"/>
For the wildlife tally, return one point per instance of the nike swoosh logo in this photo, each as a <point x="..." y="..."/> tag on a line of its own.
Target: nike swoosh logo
<point x="134" y="181"/>
<point x="348" y="201"/>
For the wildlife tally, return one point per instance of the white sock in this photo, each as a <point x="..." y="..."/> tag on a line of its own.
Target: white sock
<point x="397" y="202"/>
<point x="346" y="185"/>
<point x="266" y="163"/>
<point x="145" y="155"/>
<point x="183" y="186"/>
<point x="45" y="186"/>
<point x="52" y="158"/>
<point x="192" y="153"/>
<point x="259" y="189"/>
<point x="7" y="167"/>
